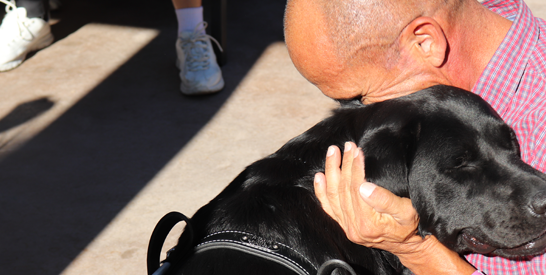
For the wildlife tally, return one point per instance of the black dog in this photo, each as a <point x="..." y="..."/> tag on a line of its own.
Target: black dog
<point x="443" y="147"/>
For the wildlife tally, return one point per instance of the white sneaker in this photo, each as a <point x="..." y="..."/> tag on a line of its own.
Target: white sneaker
<point x="20" y="35"/>
<point x="199" y="71"/>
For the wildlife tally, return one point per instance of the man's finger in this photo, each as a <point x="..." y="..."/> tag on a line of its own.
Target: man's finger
<point x="332" y="170"/>
<point x="358" y="176"/>
<point x="320" y="192"/>
<point x="332" y="178"/>
<point x="346" y="166"/>
<point x="344" y="188"/>
<point x="357" y="171"/>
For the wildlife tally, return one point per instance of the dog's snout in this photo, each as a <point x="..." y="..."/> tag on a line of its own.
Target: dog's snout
<point x="538" y="203"/>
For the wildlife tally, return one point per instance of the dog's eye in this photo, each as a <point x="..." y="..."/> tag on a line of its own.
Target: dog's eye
<point x="460" y="162"/>
<point x="463" y="163"/>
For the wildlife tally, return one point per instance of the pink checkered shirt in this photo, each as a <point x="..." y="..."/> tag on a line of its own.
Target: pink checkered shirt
<point x="514" y="83"/>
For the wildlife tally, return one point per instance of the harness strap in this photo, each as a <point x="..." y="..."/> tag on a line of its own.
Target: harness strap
<point x="329" y="266"/>
<point x="235" y="240"/>
<point x="256" y="246"/>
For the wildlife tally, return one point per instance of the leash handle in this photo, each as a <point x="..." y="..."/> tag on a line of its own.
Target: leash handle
<point x="162" y="269"/>
<point x="161" y="230"/>
<point x="329" y="266"/>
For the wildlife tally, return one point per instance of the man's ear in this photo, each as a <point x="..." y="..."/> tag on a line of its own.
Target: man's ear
<point x="424" y="39"/>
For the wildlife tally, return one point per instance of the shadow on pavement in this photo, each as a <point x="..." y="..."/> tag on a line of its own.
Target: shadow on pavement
<point x="62" y="188"/>
<point x="25" y="112"/>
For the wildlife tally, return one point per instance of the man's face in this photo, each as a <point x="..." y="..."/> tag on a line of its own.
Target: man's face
<point x="315" y="56"/>
<point x="312" y="51"/>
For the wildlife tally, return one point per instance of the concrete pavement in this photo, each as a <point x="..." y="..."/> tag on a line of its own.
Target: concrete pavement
<point x="97" y="143"/>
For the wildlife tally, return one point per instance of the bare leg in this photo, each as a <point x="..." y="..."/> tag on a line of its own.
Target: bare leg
<point x="182" y="4"/>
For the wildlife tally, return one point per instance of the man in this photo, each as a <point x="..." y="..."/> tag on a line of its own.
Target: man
<point x="376" y="50"/>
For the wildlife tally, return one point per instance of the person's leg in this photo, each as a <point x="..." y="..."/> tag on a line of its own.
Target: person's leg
<point x="24" y="29"/>
<point x="199" y="71"/>
<point x="189" y="13"/>
<point x="183" y="4"/>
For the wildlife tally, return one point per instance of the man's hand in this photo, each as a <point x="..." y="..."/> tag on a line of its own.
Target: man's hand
<point x="370" y="215"/>
<point x="374" y="217"/>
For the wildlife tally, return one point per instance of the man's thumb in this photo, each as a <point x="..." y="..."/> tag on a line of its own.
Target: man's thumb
<point x="379" y="198"/>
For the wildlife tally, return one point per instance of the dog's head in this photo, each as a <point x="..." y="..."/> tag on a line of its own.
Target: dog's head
<point x="460" y="165"/>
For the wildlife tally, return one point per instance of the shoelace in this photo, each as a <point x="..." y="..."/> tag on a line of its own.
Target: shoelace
<point x="195" y="48"/>
<point x="12" y="7"/>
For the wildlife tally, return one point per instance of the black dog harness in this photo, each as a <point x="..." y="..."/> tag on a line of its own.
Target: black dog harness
<point x="235" y="240"/>
<point x="256" y="246"/>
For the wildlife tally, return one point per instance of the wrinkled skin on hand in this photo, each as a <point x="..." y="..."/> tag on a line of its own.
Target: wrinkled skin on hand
<point x="370" y="215"/>
<point x="374" y="217"/>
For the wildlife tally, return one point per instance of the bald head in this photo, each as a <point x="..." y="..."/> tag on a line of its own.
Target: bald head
<point x="333" y="36"/>
<point x="369" y="26"/>
<point x="366" y="27"/>
<point x="311" y="48"/>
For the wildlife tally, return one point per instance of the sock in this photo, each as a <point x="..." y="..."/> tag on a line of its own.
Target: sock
<point x="189" y="18"/>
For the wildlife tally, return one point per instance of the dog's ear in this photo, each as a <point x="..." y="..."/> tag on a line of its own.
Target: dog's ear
<point x="389" y="157"/>
<point x="389" y="153"/>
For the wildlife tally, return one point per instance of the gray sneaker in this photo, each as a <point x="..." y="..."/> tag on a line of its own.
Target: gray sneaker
<point x="199" y="71"/>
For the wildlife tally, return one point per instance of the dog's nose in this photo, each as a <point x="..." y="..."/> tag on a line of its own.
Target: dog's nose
<point x="538" y="203"/>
